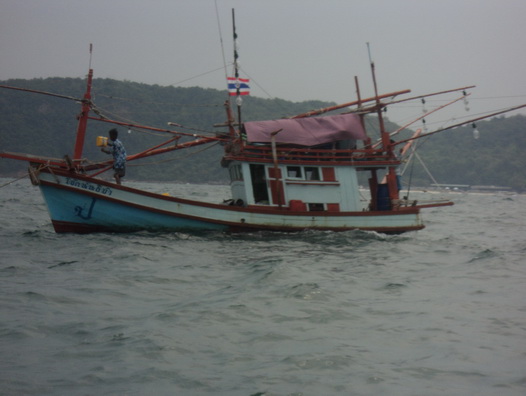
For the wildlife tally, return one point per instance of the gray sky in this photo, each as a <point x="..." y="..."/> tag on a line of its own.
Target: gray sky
<point x="293" y="49"/>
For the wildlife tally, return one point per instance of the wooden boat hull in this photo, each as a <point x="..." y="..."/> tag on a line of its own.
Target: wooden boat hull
<point x="83" y="204"/>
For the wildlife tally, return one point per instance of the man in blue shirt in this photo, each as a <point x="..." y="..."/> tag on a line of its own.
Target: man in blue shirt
<point x="116" y="148"/>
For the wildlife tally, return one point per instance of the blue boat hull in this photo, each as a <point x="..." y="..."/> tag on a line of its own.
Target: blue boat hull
<point x="78" y="212"/>
<point x="82" y="204"/>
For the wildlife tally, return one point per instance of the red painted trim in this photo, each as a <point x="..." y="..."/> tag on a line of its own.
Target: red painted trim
<point x="328" y="174"/>
<point x="310" y="183"/>
<point x="274" y="173"/>
<point x="333" y="207"/>
<point x="285" y="212"/>
<point x="297" y="205"/>
<point x="360" y="164"/>
<point x="248" y="209"/>
<point x="277" y="192"/>
<point x="67" y="227"/>
<point x="383" y="230"/>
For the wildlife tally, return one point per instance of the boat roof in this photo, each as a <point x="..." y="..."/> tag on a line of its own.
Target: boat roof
<point x="311" y="131"/>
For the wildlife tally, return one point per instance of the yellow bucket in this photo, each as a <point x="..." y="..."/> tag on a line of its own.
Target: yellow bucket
<point x="102" y="141"/>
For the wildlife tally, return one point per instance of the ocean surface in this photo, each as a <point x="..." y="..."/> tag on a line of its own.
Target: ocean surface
<point x="440" y="311"/>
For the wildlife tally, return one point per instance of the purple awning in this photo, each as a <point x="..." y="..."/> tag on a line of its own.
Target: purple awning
<point x="311" y="131"/>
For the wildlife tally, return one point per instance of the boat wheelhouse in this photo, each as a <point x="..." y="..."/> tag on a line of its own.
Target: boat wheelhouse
<point x="304" y="165"/>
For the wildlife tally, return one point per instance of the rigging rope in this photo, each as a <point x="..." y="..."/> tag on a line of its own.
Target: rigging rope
<point x="157" y="103"/>
<point x="12" y="181"/>
<point x="30" y="174"/>
<point x="410" y="175"/>
<point x="221" y="41"/>
<point x="131" y="123"/>
<point x="179" y="158"/>
<point x="256" y="83"/>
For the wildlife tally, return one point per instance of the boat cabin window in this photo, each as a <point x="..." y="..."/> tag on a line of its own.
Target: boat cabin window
<point x="316" y="207"/>
<point x="236" y="173"/>
<point x="312" y="173"/>
<point x="304" y="173"/>
<point x="294" y="172"/>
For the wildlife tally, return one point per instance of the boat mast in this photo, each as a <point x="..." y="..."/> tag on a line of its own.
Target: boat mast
<point x="83" y="116"/>
<point x="385" y="137"/>
<point x="359" y="105"/>
<point x="239" y="100"/>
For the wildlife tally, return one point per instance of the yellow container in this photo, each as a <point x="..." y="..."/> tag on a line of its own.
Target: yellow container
<point x="102" y="141"/>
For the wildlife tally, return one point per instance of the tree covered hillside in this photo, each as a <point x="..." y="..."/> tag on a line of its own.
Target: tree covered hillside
<point x="45" y="125"/>
<point x="495" y="158"/>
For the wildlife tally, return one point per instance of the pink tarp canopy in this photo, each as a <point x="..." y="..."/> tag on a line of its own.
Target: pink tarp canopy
<point x="311" y="131"/>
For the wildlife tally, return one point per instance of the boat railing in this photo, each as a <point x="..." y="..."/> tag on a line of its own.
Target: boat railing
<point x="308" y="155"/>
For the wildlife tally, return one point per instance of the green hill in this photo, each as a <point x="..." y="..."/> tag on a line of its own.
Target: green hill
<point x="495" y="158"/>
<point x="45" y="125"/>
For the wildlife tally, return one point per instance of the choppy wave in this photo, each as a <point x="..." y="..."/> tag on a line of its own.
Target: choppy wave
<point x="435" y="312"/>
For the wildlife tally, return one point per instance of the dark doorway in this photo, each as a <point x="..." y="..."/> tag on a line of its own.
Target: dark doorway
<point x="259" y="183"/>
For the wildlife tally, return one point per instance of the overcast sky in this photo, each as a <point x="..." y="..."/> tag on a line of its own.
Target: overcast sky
<point x="291" y="49"/>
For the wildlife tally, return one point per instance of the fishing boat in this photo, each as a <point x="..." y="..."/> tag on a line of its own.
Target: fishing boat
<point x="291" y="174"/>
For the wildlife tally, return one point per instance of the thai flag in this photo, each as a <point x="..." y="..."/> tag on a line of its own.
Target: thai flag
<point x="233" y="84"/>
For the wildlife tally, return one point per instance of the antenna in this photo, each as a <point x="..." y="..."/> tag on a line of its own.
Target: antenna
<point x="221" y="41"/>
<point x="90" y="53"/>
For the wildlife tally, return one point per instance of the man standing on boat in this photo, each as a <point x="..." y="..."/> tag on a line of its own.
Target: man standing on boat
<point x="119" y="155"/>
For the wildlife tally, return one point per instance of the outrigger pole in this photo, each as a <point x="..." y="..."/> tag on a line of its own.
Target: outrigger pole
<point x="42" y="93"/>
<point x="348" y="104"/>
<point x="464" y="123"/>
<point x="422" y="117"/>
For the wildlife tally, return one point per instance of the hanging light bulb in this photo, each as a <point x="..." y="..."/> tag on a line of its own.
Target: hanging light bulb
<point x="425" y="126"/>
<point x="476" y="133"/>
<point x="466" y="103"/>
<point x="424" y="110"/>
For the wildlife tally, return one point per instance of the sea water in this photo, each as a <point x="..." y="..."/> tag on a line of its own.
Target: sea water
<point x="441" y="311"/>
